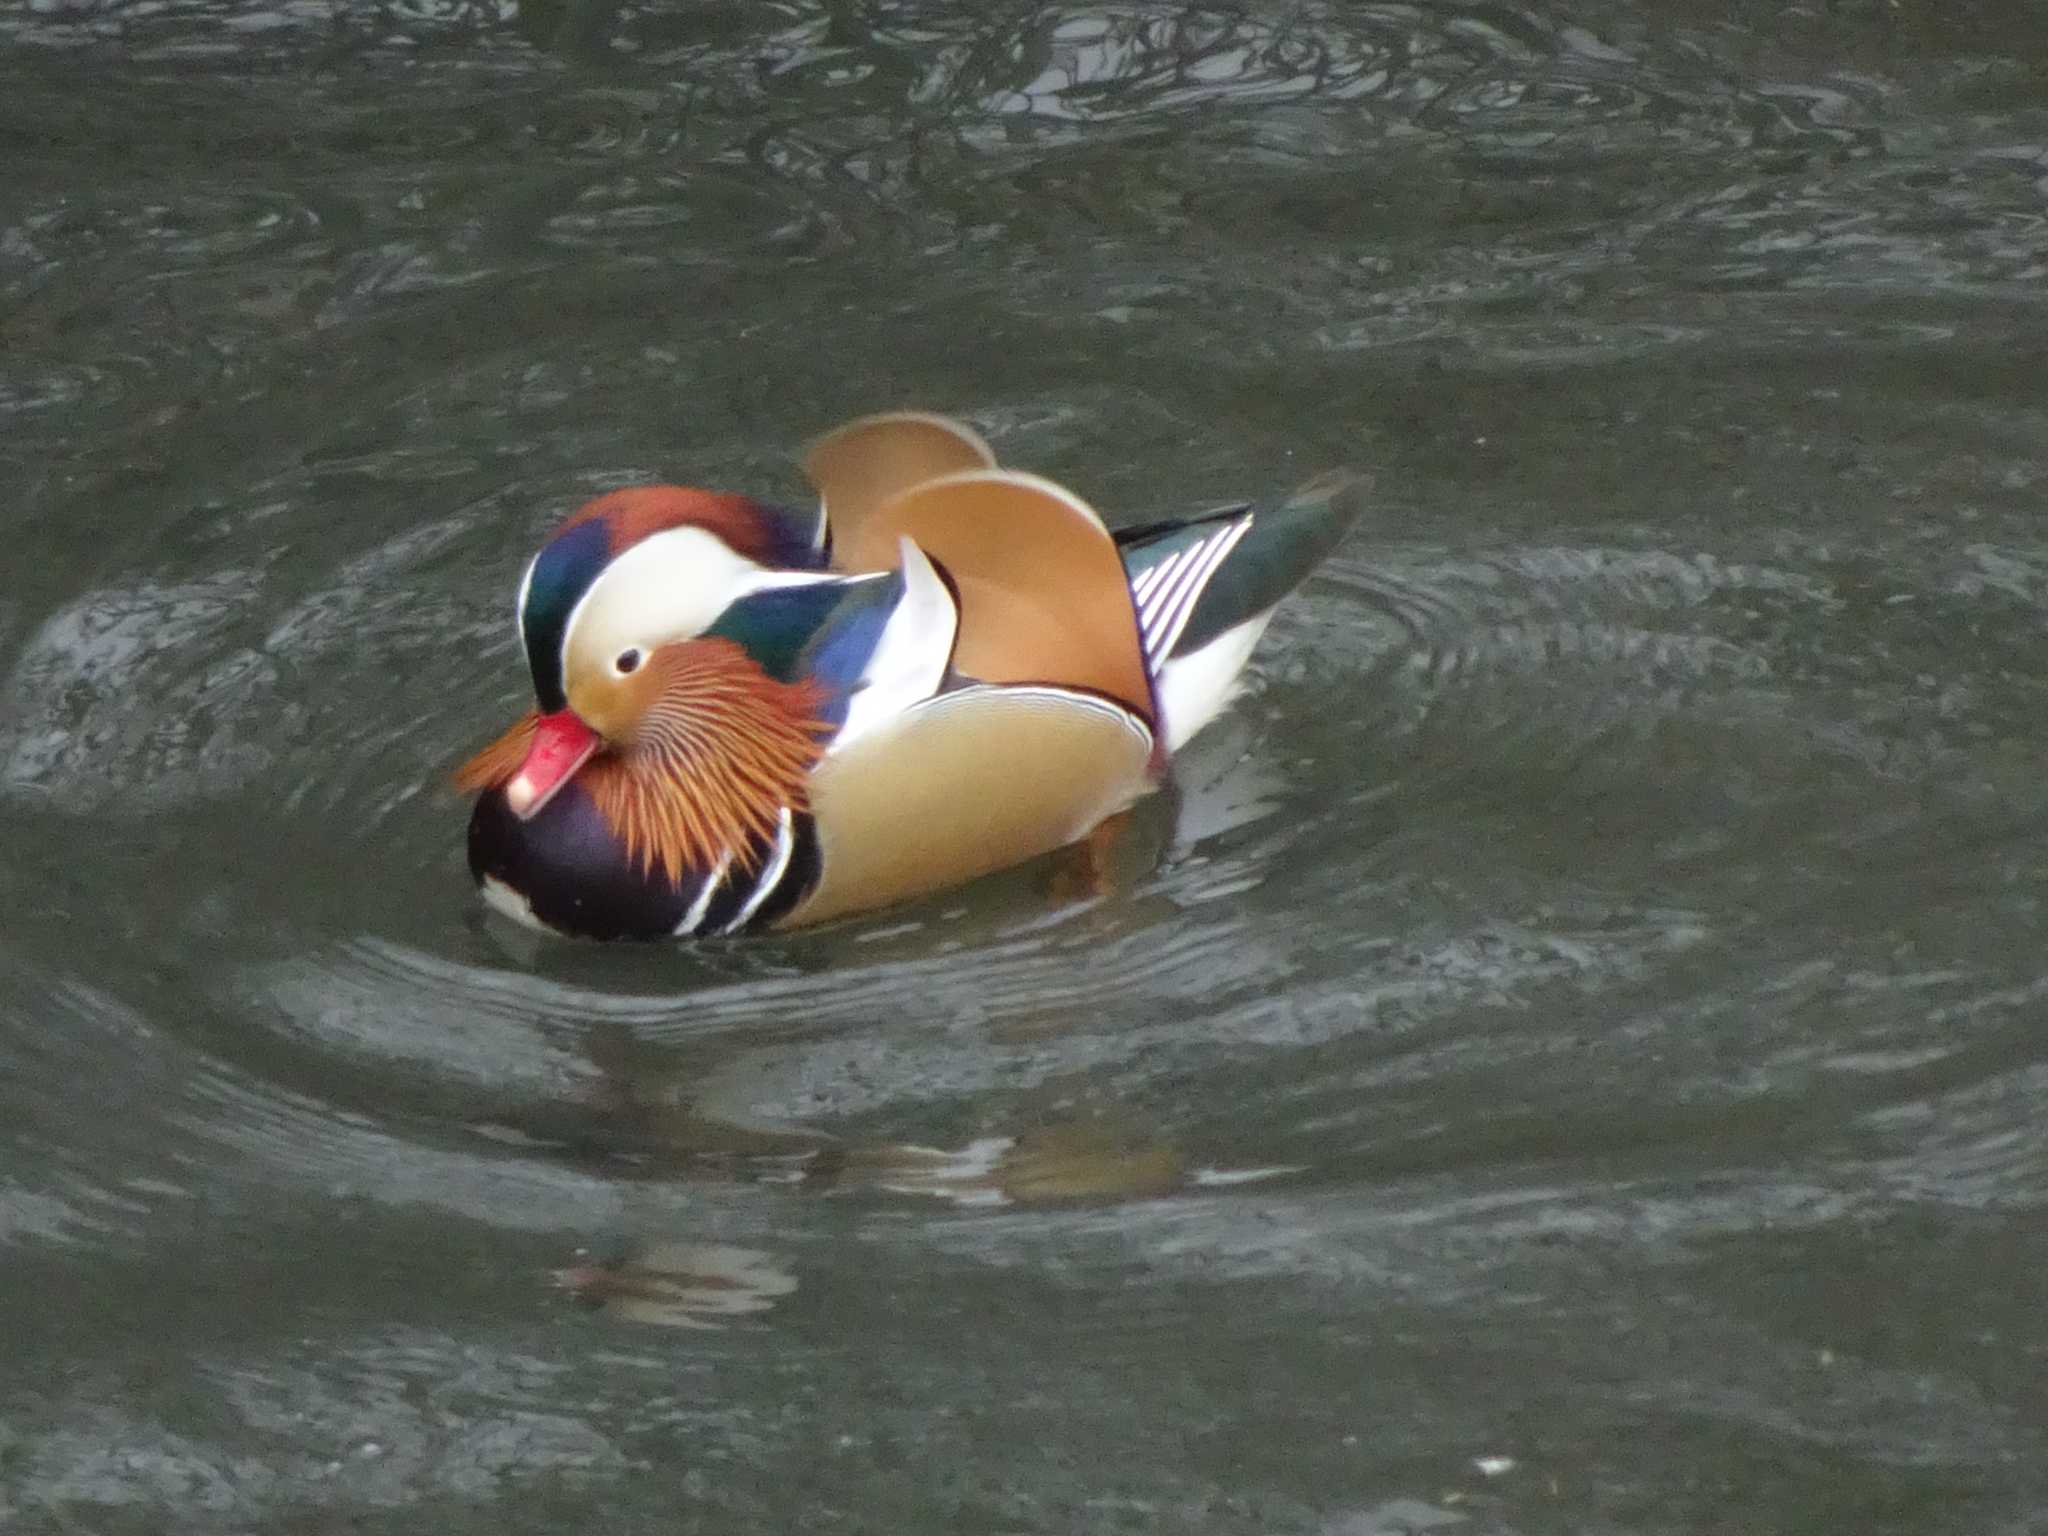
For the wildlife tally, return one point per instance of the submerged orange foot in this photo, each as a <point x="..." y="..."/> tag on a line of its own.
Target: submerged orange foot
<point x="1101" y="864"/>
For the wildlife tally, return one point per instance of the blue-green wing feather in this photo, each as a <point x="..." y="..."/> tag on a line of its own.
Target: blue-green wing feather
<point x="886" y="635"/>
<point x="824" y="630"/>
<point x="1194" y="578"/>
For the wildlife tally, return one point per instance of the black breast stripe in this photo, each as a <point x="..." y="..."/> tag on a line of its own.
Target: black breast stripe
<point x="748" y="897"/>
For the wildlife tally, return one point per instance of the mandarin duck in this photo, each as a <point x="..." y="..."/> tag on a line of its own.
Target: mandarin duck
<point x="752" y="718"/>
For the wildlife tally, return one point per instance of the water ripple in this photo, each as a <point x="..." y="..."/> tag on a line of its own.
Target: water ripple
<point x="1611" y="912"/>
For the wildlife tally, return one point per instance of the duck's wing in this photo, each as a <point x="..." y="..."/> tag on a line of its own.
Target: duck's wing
<point x="1042" y="592"/>
<point x="969" y="734"/>
<point x="859" y="467"/>
<point x="1043" y="597"/>
<point x="1043" y="723"/>
<point x="875" y="642"/>
<point x="1205" y="587"/>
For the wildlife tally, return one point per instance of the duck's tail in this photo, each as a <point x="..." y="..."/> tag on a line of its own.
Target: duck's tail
<point x="1206" y="586"/>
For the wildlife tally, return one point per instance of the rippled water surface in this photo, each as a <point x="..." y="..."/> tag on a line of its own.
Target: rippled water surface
<point x="1568" y="1057"/>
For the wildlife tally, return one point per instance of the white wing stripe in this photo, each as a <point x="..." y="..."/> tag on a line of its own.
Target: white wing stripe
<point x="1147" y="579"/>
<point x="1162" y="576"/>
<point x="1189" y="577"/>
<point x="1172" y="595"/>
<point x="1214" y="558"/>
<point x="1156" y="601"/>
<point x="1166" y="610"/>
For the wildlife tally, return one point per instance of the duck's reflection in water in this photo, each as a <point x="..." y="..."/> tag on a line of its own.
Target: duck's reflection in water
<point x="644" y="1122"/>
<point x="1049" y="1164"/>
<point x="706" y="1285"/>
<point x="679" y="1285"/>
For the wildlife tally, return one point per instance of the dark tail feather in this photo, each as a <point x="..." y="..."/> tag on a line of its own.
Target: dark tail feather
<point x="1286" y="540"/>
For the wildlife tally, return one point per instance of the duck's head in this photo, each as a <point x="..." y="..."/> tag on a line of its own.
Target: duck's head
<point x="647" y="621"/>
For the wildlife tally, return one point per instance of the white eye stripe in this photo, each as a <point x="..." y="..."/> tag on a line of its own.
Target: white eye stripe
<point x="670" y="586"/>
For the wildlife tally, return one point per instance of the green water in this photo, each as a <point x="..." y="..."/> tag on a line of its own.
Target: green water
<point x="1568" y="1057"/>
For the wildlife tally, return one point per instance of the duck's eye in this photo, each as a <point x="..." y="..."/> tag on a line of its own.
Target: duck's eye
<point x="629" y="661"/>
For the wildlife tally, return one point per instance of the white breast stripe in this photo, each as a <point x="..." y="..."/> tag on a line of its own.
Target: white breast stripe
<point x="687" y="928"/>
<point x="771" y="876"/>
<point x="1195" y="685"/>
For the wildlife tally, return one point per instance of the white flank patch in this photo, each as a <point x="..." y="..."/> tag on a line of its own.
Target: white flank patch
<point x="1194" y="688"/>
